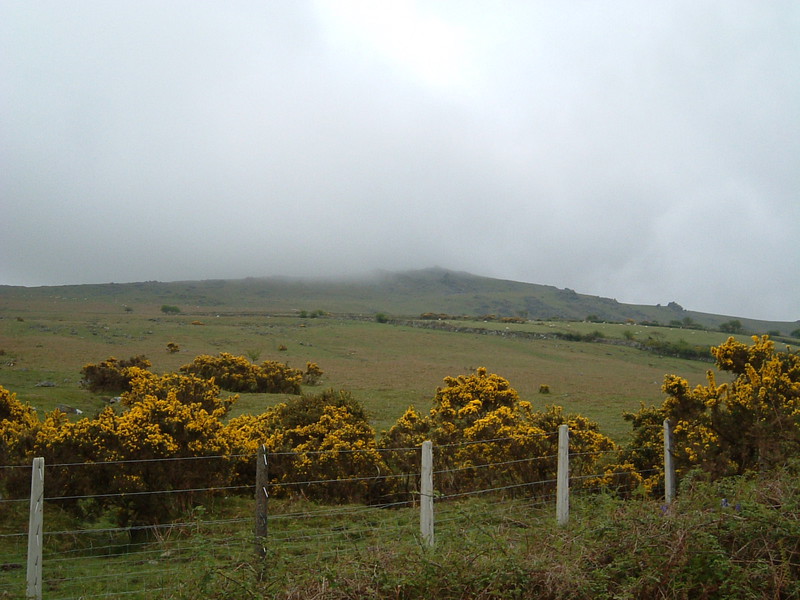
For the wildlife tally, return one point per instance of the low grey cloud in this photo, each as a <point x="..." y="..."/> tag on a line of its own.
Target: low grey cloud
<point x="646" y="152"/>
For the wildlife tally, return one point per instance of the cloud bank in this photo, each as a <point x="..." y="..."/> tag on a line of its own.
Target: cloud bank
<point x="643" y="152"/>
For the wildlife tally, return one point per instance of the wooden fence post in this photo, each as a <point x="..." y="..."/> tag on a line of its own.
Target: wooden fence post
<point x="562" y="480"/>
<point x="262" y="495"/>
<point x="35" y="525"/>
<point x="669" y="466"/>
<point x="426" y="494"/>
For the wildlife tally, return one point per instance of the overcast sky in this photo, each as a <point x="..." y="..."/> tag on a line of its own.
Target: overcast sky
<point x="644" y="151"/>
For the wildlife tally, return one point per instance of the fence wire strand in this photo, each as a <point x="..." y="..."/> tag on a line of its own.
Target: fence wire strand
<point x="297" y="527"/>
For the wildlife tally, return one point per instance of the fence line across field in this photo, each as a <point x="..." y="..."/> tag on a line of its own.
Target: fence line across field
<point x="424" y="500"/>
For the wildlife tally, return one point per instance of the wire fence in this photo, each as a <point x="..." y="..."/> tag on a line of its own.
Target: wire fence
<point x="104" y="544"/>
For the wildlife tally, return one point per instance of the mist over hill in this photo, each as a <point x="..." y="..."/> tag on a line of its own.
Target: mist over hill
<point x="409" y="293"/>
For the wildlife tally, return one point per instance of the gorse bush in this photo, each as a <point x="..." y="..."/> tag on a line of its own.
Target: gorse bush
<point x="326" y="436"/>
<point x="312" y="374"/>
<point x="112" y="375"/>
<point x="479" y="420"/>
<point x="152" y="428"/>
<point x="644" y="451"/>
<point x="115" y="451"/>
<point x="18" y="424"/>
<point x="751" y="423"/>
<point x="188" y="389"/>
<point x="238" y="374"/>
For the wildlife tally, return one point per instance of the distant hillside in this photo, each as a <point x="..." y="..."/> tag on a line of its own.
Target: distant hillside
<point x="400" y="294"/>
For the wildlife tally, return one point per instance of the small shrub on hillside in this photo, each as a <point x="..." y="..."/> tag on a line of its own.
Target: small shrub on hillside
<point x="169" y="309"/>
<point x="732" y="326"/>
<point x="429" y="316"/>
<point x="313" y="374"/>
<point x="679" y="349"/>
<point x="111" y="375"/>
<point x="513" y="320"/>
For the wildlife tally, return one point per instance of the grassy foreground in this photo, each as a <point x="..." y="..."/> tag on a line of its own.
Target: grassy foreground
<point x="733" y="539"/>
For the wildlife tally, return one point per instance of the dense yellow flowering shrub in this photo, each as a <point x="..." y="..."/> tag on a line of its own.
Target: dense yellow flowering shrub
<point x="84" y="457"/>
<point x="111" y="375"/>
<point x="749" y="423"/>
<point x="277" y="378"/>
<point x="485" y="436"/>
<point x="18" y="425"/>
<point x="644" y="451"/>
<point x="325" y="436"/>
<point x="188" y="389"/>
<point x="238" y="374"/>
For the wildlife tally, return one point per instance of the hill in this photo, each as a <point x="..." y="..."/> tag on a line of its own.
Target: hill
<point x="409" y="293"/>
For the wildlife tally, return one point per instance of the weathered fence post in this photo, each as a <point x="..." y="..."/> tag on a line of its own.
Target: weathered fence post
<point x="426" y="494"/>
<point x="669" y="466"/>
<point x="35" y="525"/>
<point x="562" y="480"/>
<point x="262" y="495"/>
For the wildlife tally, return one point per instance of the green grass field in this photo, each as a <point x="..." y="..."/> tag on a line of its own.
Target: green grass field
<point x="387" y="366"/>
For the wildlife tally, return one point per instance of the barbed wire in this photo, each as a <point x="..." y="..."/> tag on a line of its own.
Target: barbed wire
<point x="492" y="490"/>
<point x="148" y="493"/>
<point x="340" y="451"/>
<point x="148" y="460"/>
<point x="135" y="528"/>
<point x="495" y="464"/>
<point x="228" y="457"/>
<point x="10" y="500"/>
<point x="500" y="439"/>
<point x="349" y="479"/>
<point x="337" y="512"/>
